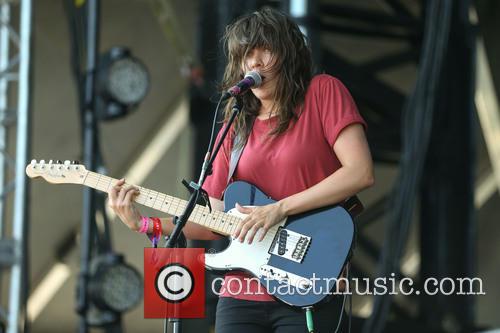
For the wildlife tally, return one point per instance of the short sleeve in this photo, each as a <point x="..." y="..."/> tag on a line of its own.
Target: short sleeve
<point x="216" y="183"/>
<point x="336" y="107"/>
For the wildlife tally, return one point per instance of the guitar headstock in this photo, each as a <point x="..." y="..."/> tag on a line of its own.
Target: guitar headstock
<point x="57" y="172"/>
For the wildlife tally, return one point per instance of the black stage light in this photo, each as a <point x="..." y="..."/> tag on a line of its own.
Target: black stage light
<point x="114" y="285"/>
<point x="122" y="83"/>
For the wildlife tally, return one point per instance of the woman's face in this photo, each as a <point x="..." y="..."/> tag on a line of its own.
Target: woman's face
<point x="262" y="60"/>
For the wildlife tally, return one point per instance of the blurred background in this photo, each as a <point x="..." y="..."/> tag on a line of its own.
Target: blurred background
<point x="128" y="88"/>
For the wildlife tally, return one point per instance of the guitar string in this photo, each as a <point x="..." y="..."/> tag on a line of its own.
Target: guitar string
<point x="198" y="212"/>
<point x="146" y="197"/>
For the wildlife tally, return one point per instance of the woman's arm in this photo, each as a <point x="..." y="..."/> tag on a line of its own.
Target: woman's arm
<point x="355" y="174"/>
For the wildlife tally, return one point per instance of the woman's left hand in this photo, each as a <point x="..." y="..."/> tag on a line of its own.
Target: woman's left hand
<point x="258" y="217"/>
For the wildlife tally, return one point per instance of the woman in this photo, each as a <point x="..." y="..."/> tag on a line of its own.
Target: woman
<point x="305" y="147"/>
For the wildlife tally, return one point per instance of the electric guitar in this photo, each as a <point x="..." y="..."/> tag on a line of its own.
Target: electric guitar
<point x="299" y="259"/>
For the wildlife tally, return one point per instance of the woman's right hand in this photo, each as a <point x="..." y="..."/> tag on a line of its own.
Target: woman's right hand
<point x="121" y="201"/>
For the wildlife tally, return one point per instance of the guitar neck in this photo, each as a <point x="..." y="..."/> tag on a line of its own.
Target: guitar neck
<point x="216" y="221"/>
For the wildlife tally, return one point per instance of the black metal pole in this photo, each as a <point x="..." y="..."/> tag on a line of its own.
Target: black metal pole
<point x="176" y="238"/>
<point x="89" y="128"/>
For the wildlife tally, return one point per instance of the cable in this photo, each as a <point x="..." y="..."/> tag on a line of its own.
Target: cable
<point x="309" y="316"/>
<point x="309" y="319"/>
<point x="417" y="127"/>
<point x="214" y="121"/>
<point x="350" y="311"/>
<point x="203" y="172"/>
<point x="343" y="301"/>
<point x="350" y="301"/>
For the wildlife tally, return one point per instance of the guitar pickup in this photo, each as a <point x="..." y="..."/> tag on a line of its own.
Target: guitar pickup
<point x="290" y="245"/>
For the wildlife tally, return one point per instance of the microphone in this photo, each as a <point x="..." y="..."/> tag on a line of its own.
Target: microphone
<point x="251" y="80"/>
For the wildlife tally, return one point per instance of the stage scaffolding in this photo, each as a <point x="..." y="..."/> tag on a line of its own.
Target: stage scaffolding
<point x="15" y="89"/>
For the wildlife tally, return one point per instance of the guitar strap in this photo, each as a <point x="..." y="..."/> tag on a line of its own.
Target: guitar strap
<point x="235" y="156"/>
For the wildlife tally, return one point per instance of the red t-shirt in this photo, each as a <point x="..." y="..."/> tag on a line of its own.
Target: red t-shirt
<point x="292" y="162"/>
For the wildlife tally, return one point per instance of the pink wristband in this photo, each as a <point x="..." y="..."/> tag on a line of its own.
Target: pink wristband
<point x="145" y="225"/>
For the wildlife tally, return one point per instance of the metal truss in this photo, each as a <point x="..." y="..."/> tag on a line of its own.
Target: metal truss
<point x="15" y="44"/>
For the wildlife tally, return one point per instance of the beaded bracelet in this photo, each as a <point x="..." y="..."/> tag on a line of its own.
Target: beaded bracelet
<point x="145" y="225"/>
<point x="156" y="230"/>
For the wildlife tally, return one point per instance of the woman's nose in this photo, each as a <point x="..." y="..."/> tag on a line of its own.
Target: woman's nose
<point x="255" y="64"/>
<point x="255" y="61"/>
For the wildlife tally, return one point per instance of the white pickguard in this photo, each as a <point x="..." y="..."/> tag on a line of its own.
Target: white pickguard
<point x="249" y="257"/>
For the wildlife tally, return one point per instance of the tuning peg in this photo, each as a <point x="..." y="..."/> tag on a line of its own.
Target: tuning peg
<point x="75" y="162"/>
<point x="50" y="161"/>
<point x="33" y="162"/>
<point x="67" y="162"/>
<point x="42" y="161"/>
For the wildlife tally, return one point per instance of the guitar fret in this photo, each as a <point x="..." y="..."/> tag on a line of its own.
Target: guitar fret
<point x="219" y="222"/>
<point x="89" y="179"/>
<point x="213" y="219"/>
<point x="196" y="213"/>
<point x="203" y="216"/>
<point x="175" y="204"/>
<point x="199" y="217"/>
<point x="234" y="224"/>
<point x="98" y="180"/>
<point x="86" y="176"/>
<point x="230" y="228"/>
<point x="161" y="198"/>
<point x="228" y="224"/>
<point x="156" y="199"/>
<point x="106" y="182"/>
<point x="94" y="179"/>
<point x="153" y="198"/>
<point x="224" y="222"/>
<point x="178" y="208"/>
<point x="207" y="218"/>
<point x="213" y="222"/>
<point x="164" y="202"/>
<point x="170" y="203"/>
<point x="109" y="184"/>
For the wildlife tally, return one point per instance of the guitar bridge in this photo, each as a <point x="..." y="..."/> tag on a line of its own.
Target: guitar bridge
<point x="290" y="245"/>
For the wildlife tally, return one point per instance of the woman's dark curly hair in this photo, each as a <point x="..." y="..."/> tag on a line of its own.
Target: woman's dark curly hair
<point x="275" y="31"/>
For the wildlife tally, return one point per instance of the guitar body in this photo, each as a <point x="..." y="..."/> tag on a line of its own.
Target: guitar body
<point x="299" y="259"/>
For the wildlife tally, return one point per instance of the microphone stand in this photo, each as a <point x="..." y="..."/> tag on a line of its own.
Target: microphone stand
<point x="177" y="238"/>
<point x="89" y="144"/>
